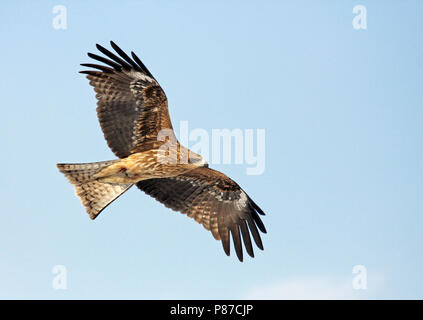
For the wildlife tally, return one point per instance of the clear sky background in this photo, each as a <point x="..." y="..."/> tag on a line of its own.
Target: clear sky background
<point x="342" y="110"/>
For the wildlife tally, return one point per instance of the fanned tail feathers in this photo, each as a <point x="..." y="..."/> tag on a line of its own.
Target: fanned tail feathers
<point x="94" y="195"/>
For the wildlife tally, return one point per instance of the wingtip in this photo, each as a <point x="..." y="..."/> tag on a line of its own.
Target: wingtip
<point x="100" y="47"/>
<point x="87" y="72"/>
<point x="258" y="209"/>
<point x="226" y="248"/>
<point x="261" y="227"/>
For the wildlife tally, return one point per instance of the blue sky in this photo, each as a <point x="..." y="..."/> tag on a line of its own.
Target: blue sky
<point x="342" y="111"/>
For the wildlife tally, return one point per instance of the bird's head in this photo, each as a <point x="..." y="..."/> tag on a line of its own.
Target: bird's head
<point x="197" y="160"/>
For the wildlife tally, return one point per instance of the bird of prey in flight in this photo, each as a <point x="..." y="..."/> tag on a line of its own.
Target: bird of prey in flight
<point x="133" y="113"/>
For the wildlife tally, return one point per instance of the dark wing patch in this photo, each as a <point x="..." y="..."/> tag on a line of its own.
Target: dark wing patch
<point x="215" y="201"/>
<point x="132" y="107"/>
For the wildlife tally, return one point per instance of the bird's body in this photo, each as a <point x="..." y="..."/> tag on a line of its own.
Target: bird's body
<point x="142" y="166"/>
<point x="133" y="114"/>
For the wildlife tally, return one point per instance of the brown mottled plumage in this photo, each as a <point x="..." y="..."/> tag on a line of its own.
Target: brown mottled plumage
<point x="133" y="114"/>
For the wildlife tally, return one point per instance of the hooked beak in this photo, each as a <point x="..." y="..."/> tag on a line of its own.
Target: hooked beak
<point x="199" y="162"/>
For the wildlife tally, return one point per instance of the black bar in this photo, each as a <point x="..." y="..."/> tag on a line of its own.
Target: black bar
<point x="205" y="309"/>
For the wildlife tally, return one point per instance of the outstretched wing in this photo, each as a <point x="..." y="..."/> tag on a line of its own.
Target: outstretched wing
<point x="132" y="107"/>
<point x="216" y="202"/>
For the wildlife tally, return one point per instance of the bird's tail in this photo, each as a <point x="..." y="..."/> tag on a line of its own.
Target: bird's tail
<point x="94" y="195"/>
